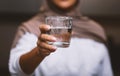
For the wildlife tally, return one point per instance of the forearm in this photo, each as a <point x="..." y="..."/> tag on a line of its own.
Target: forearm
<point x="24" y="56"/>
<point x="29" y="61"/>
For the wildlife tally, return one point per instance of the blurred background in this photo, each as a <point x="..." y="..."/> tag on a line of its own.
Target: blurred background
<point x="105" y="12"/>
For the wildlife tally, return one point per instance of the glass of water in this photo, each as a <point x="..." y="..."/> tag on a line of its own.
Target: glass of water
<point x="61" y="28"/>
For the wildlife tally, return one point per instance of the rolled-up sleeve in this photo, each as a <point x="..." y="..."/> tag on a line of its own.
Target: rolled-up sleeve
<point x="26" y="43"/>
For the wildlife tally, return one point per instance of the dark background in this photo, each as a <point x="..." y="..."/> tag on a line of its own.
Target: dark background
<point x="13" y="12"/>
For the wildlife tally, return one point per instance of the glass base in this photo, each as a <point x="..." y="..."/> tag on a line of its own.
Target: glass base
<point x="60" y="44"/>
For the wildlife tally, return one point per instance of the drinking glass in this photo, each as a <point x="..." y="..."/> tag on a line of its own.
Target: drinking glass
<point x="61" y="28"/>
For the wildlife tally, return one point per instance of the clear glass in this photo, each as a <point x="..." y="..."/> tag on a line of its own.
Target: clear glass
<point x="61" y="28"/>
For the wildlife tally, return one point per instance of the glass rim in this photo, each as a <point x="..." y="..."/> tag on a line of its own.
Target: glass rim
<point x="59" y="17"/>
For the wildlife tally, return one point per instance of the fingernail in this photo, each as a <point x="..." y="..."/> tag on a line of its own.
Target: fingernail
<point x="48" y="26"/>
<point x="54" y="47"/>
<point x="54" y="39"/>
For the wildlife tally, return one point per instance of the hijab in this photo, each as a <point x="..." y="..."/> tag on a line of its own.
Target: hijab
<point x="83" y="27"/>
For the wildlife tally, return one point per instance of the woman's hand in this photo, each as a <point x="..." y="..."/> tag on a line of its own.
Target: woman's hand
<point x="44" y="48"/>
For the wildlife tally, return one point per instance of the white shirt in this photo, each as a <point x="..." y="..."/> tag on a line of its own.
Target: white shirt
<point x="84" y="57"/>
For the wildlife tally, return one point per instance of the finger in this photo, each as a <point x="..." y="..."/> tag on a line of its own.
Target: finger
<point x="46" y="46"/>
<point x="43" y="52"/>
<point x="44" y="28"/>
<point x="46" y="37"/>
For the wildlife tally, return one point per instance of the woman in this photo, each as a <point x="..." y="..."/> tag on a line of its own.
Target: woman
<point x="86" y="56"/>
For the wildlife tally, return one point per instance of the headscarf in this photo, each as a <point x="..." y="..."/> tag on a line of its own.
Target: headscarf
<point x="83" y="27"/>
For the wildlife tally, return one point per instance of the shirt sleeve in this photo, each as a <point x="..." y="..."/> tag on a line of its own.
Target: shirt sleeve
<point x="105" y="65"/>
<point x="26" y="43"/>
